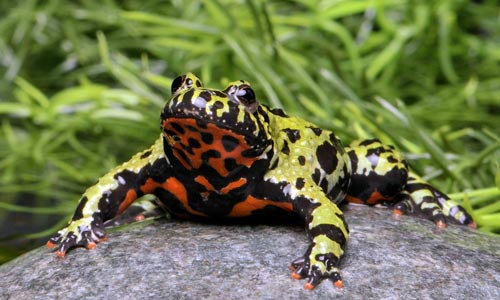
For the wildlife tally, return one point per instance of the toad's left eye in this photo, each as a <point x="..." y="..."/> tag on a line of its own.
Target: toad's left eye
<point x="246" y="95"/>
<point x="241" y="93"/>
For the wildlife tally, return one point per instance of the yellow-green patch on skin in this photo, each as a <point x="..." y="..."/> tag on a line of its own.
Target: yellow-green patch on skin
<point x="327" y="213"/>
<point x="219" y="112"/>
<point x="419" y="195"/>
<point x="365" y="165"/>
<point x="448" y="205"/>
<point x="289" y="167"/>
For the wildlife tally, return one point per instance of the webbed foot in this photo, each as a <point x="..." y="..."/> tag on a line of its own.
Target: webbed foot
<point x="419" y="197"/>
<point x="84" y="232"/>
<point x="316" y="270"/>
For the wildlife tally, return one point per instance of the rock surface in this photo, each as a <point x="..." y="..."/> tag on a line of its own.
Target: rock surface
<point x="387" y="258"/>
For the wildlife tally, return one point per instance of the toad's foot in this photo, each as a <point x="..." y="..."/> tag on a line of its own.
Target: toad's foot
<point x="419" y="197"/>
<point x="84" y="232"/>
<point x="316" y="270"/>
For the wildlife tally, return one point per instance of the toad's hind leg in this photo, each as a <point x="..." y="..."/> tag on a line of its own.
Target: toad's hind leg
<point x="380" y="175"/>
<point x="421" y="197"/>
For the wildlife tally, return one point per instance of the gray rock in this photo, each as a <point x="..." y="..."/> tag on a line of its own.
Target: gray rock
<point x="387" y="258"/>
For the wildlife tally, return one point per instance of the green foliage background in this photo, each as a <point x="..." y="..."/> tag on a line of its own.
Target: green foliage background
<point x="83" y="83"/>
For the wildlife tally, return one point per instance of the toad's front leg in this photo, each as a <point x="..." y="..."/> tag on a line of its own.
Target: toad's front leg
<point x="327" y="233"/>
<point x="109" y="197"/>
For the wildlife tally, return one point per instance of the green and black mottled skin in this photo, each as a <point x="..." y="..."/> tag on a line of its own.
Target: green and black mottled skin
<point x="223" y="155"/>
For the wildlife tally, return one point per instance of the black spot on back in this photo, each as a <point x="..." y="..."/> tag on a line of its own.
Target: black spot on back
<point x="206" y="95"/>
<point x="285" y="149"/>
<point x="354" y="160"/>
<point x="377" y="151"/>
<point x="324" y="186"/>
<point x="335" y="141"/>
<point x="392" y="159"/>
<point x="299" y="183"/>
<point x="302" y="160"/>
<point x="369" y="142"/>
<point x="316" y="176"/>
<point x="327" y="158"/>
<point x="293" y="134"/>
<point x="317" y="131"/>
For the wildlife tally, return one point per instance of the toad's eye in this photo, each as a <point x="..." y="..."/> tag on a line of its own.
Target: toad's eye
<point x="241" y="93"/>
<point x="177" y="84"/>
<point x="185" y="82"/>
<point x="246" y="95"/>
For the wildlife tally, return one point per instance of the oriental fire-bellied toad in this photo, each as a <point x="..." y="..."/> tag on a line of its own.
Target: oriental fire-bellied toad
<point x="221" y="154"/>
